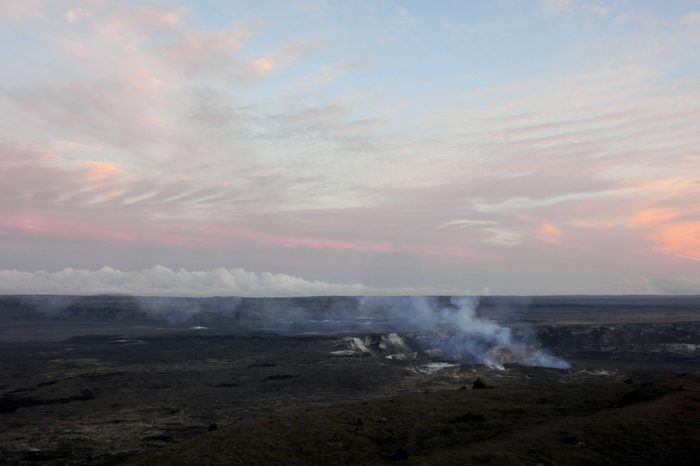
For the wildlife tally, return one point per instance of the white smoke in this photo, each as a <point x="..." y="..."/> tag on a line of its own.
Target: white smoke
<point x="460" y="334"/>
<point x="162" y="281"/>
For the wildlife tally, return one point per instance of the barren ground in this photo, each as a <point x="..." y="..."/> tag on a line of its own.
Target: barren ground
<point x="144" y="392"/>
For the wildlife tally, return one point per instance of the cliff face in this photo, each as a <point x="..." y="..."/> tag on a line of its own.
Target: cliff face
<point x="538" y="309"/>
<point x="654" y="339"/>
<point x="191" y="310"/>
<point x="71" y="308"/>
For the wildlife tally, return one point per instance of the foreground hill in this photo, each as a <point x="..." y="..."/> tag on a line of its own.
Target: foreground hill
<point x="577" y="424"/>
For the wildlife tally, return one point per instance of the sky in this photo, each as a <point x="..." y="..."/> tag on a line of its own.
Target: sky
<point x="307" y="147"/>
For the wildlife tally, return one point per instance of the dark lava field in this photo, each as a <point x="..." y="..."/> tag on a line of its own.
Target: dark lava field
<point x="342" y="380"/>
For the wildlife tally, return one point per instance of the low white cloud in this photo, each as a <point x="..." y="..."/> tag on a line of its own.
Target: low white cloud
<point x="162" y="281"/>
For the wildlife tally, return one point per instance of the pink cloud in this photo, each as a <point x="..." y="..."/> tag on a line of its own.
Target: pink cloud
<point x="666" y="187"/>
<point x="652" y="217"/>
<point x="100" y="171"/>
<point x="28" y="173"/>
<point x="202" y="52"/>
<point x="23" y="154"/>
<point x="104" y="227"/>
<point x="143" y="80"/>
<point x="219" y="235"/>
<point x="61" y="226"/>
<point x="24" y="9"/>
<point x="76" y="14"/>
<point x="104" y="110"/>
<point x="549" y="232"/>
<point x="262" y="65"/>
<point x="436" y="250"/>
<point x="682" y="239"/>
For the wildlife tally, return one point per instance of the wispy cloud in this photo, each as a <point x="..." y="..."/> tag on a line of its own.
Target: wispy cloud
<point x="246" y="133"/>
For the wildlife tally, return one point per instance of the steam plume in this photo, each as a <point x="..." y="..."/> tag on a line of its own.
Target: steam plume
<point x="460" y="334"/>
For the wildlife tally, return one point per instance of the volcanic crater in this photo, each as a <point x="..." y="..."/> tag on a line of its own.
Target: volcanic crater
<point x="569" y="380"/>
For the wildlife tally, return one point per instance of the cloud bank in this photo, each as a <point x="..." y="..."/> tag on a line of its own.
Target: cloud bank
<point x="162" y="281"/>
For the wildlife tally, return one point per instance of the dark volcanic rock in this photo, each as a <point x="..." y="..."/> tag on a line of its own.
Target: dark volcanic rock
<point x="154" y="383"/>
<point x="479" y="384"/>
<point x="282" y="376"/>
<point x="420" y="428"/>
<point x="469" y="417"/>
<point x="10" y="404"/>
